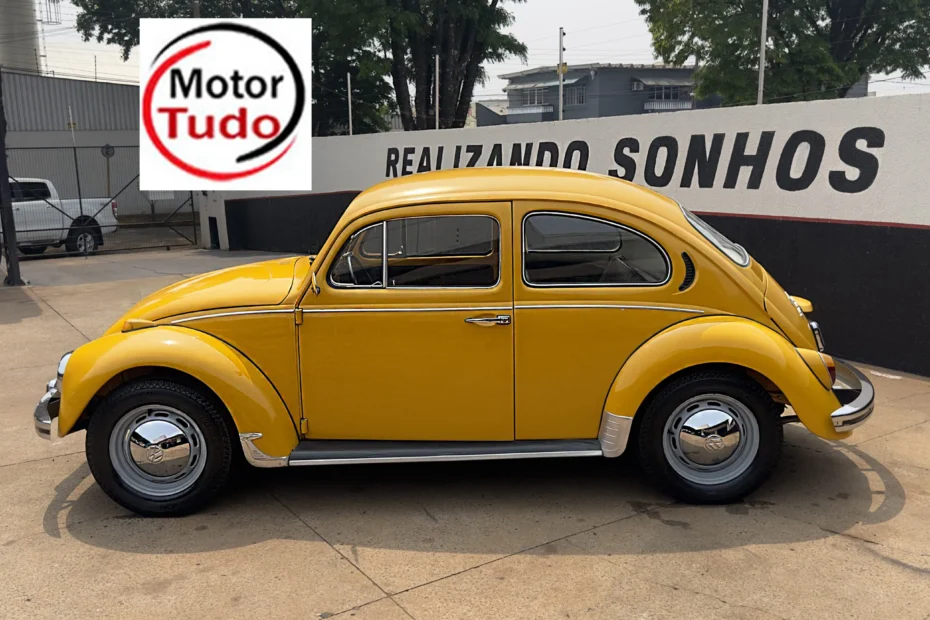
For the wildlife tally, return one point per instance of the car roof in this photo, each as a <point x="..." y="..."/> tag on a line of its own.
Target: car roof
<point x="511" y="183"/>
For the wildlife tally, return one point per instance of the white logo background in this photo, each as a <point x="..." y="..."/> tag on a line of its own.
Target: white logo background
<point x="266" y="88"/>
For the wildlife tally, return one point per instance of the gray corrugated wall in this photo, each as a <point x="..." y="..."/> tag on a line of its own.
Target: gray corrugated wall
<point x="38" y="103"/>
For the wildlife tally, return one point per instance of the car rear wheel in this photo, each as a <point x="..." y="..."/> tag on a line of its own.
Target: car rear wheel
<point x="159" y="448"/>
<point x="710" y="437"/>
<point x="84" y="238"/>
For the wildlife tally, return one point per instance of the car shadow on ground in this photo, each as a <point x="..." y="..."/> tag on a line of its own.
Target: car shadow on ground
<point x="489" y="507"/>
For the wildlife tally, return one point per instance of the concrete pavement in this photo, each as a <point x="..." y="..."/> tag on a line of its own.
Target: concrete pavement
<point x="840" y="531"/>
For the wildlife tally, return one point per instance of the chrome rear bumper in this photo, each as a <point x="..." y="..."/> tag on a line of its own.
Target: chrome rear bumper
<point x="46" y="412"/>
<point x="855" y="391"/>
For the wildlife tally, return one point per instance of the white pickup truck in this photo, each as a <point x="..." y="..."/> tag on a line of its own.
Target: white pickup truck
<point x="42" y="219"/>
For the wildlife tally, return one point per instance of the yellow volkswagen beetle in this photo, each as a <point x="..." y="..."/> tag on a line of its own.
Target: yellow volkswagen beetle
<point x="463" y="315"/>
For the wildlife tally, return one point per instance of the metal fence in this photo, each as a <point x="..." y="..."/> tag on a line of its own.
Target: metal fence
<point x="87" y="199"/>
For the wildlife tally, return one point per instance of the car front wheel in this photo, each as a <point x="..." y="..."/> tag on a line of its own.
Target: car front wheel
<point x="159" y="448"/>
<point x="710" y="437"/>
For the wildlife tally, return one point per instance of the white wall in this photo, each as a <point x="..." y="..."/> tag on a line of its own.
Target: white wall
<point x="875" y="164"/>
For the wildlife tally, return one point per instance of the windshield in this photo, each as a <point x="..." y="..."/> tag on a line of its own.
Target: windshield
<point x="734" y="251"/>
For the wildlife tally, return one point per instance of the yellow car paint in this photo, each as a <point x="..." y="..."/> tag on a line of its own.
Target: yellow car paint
<point x="724" y="340"/>
<point x="348" y="363"/>
<point x="244" y="390"/>
<point x="427" y="375"/>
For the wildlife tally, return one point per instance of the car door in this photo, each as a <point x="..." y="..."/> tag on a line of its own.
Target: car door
<point x="418" y="346"/>
<point x="36" y="219"/>
<point x="591" y="285"/>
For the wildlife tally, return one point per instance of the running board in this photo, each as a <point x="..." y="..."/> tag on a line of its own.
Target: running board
<point x="336" y="452"/>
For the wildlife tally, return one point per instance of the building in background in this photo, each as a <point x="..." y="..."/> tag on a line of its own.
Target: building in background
<point x="600" y="90"/>
<point x="57" y="129"/>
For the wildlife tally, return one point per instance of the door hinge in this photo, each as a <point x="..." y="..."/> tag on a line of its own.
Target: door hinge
<point x="304" y="427"/>
<point x="298" y="316"/>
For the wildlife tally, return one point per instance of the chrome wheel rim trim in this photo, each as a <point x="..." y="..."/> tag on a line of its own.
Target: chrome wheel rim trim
<point x="157" y="451"/>
<point x="711" y="439"/>
<point x="86" y="242"/>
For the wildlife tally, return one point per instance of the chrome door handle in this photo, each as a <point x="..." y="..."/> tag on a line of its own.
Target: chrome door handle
<point x="500" y="319"/>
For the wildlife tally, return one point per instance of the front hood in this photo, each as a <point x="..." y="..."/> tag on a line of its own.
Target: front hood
<point x="256" y="284"/>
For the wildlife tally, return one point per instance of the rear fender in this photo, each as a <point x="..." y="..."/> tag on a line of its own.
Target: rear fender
<point x="249" y="397"/>
<point x="724" y="340"/>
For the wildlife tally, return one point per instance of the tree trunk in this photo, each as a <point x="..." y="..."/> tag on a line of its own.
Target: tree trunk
<point x="399" y="76"/>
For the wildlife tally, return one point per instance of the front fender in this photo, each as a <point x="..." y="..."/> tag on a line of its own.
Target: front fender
<point x="252" y="401"/>
<point x="725" y="340"/>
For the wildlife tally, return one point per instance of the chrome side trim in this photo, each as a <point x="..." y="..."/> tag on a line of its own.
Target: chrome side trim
<point x="614" y="434"/>
<point x="441" y="309"/>
<point x="855" y="414"/>
<point x="256" y="457"/>
<point x="434" y="458"/>
<point x="234" y="313"/>
<point x="610" y="306"/>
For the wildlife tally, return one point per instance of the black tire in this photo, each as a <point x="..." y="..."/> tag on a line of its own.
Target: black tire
<point x="652" y="430"/>
<point x="200" y="408"/>
<point x="80" y="227"/>
<point x="32" y="250"/>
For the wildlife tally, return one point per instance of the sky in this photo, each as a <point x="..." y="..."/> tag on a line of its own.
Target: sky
<point x="596" y="31"/>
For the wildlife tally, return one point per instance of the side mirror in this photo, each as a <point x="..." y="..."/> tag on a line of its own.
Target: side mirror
<point x="313" y="284"/>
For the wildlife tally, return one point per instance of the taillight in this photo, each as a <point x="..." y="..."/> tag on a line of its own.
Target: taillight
<point x="831" y="367"/>
<point x="113" y="206"/>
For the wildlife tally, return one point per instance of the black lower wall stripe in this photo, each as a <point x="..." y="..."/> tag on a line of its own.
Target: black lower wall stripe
<point x="870" y="285"/>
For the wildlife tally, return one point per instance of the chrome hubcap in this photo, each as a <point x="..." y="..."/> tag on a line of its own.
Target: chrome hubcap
<point x="86" y="242"/>
<point x="157" y="451"/>
<point x="711" y="439"/>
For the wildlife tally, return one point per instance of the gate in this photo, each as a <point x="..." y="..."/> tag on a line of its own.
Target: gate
<point x="84" y="200"/>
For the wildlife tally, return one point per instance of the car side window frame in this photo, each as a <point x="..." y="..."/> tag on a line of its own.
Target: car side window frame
<point x="384" y="257"/>
<point x="335" y="262"/>
<point x="525" y="250"/>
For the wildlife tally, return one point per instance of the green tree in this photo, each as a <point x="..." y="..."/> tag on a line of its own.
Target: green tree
<point x="816" y="49"/>
<point x="343" y="32"/>
<point x="464" y="34"/>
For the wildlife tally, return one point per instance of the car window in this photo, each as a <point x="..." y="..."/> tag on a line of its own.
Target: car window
<point x="31" y="190"/>
<point x="574" y="250"/>
<point x="734" y="251"/>
<point x="15" y="194"/>
<point x="444" y="251"/>
<point x="360" y="261"/>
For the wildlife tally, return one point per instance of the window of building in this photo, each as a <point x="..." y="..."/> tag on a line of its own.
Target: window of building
<point x="666" y="93"/>
<point x="445" y="251"/>
<point x="637" y="85"/>
<point x="534" y="96"/>
<point x="575" y="95"/>
<point x="360" y="261"/>
<point x="561" y="249"/>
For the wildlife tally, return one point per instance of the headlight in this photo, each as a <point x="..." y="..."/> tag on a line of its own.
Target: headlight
<point x="63" y="363"/>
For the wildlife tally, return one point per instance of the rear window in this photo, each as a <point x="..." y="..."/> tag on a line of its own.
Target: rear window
<point x="734" y="251"/>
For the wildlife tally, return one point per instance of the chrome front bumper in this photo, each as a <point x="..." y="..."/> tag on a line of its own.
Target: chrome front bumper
<point x="46" y="412"/>
<point x="855" y="392"/>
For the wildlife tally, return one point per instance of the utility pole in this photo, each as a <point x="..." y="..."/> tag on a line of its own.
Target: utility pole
<point x="95" y="67"/>
<point x="763" y="37"/>
<point x="437" y="91"/>
<point x="349" y="83"/>
<point x="11" y="248"/>
<point x="561" y="71"/>
<point x="195" y="8"/>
